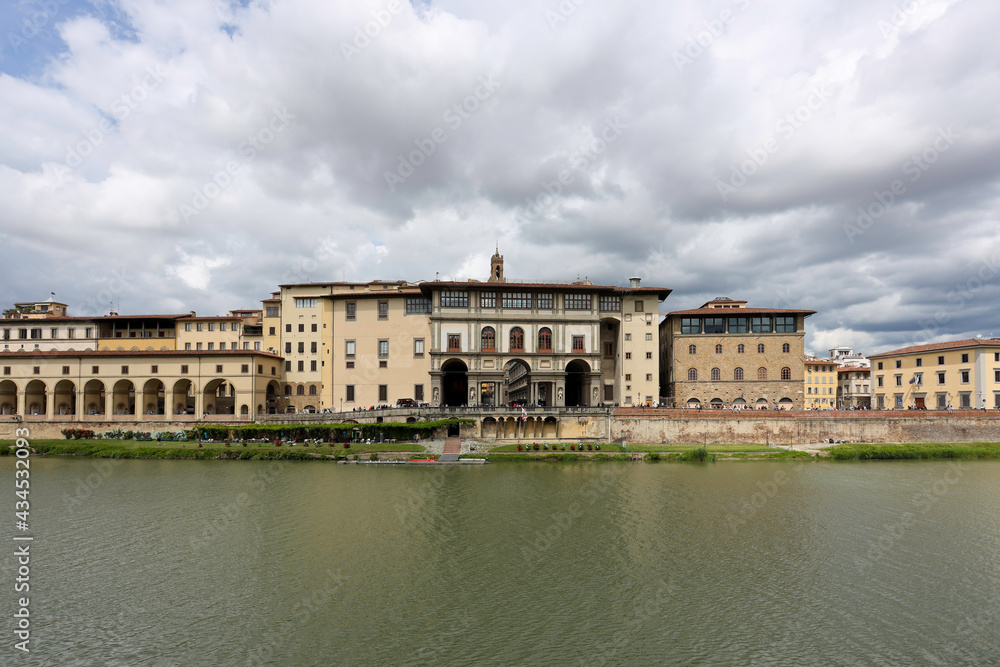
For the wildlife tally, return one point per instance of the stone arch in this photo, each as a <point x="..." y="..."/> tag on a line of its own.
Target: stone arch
<point x="8" y="397"/>
<point x="64" y="397"/>
<point x="761" y="403"/>
<point x="245" y="410"/>
<point x="94" y="398"/>
<point x="785" y="403"/>
<point x="272" y="394"/>
<point x="489" y="427"/>
<point x="693" y="403"/>
<point x="717" y="403"/>
<point x="517" y="381"/>
<point x="219" y="397"/>
<point x="123" y="398"/>
<point x="35" y="400"/>
<point x="550" y="428"/>
<point x="183" y="398"/>
<point x="153" y="397"/>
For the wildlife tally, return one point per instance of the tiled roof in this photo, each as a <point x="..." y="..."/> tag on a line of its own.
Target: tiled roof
<point x="510" y="287"/>
<point x="736" y="312"/>
<point x="935" y="347"/>
<point x="133" y="353"/>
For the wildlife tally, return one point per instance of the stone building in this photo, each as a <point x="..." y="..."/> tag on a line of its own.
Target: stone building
<point x="724" y="354"/>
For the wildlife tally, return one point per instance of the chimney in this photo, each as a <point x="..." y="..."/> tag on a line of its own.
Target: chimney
<point x="634" y="281"/>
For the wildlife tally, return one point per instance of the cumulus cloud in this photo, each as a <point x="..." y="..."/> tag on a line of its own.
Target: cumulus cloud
<point x="837" y="156"/>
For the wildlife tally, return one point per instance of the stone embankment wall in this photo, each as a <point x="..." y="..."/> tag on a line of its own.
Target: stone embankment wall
<point x="785" y="428"/>
<point x="53" y="429"/>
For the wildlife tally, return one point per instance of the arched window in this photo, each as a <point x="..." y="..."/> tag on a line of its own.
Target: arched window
<point x="786" y="373"/>
<point x="738" y="373"/>
<point x="692" y="374"/>
<point x="288" y="390"/>
<point x="740" y="348"/>
<point x="716" y="374"/>
<point x="761" y="373"/>
<point x="300" y="390"/>
<point x="312" y="390"/>
<point x="692" y="349"/>
<point x="718" y="349"/>
<point x="488" y="340"/>
<point x="517" y="339"/>
<point x="545" y="339"/>
<point x="760" y="349"/>
<point x="786" y="348"/>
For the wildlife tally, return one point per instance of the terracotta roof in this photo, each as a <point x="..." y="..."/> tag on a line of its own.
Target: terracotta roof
<point x="135" y="353"/>
<point x="848" y="369"/>
<point x="934" y="347"/>
<point x="736" y="312"/>
<point x="430" y="286"/>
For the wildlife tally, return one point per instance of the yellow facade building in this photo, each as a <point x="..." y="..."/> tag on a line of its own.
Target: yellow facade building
<point x="820" y="384"/>
<point x="961" y="374"/>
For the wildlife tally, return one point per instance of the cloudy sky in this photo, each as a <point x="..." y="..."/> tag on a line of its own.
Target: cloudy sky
<point x="836" y="155"/>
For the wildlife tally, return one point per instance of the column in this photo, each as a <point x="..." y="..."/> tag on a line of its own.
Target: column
<point x="50" y="404"/>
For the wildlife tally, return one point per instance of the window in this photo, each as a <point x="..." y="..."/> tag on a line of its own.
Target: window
<point x="715" y="325"/>
<point x="349" y="348"/>
<point x="383" y="393"/>
<point x="741" y="348"/>
<point x="996" y="376"/>
<point x="211" y="346"/>
<point x="270" y="331"/>
<point x="301" y="366"/>
<point x="37" y="334"/>
<point x="306" y="303"/>
<point x="965" y="358"/>
<point x="302" y="347"/>
<point x="200" y="326"/>
<point x="417" y="304"/>
<point x="738" y="373"/>
<point x="716" y="374"/>
<point x="488" y="300"/>
<point x="638" y="306"/>
<point x="965" y="398"/>
<point x="578" y="344"/>
<point x="918" y="379"/>
<point x="628" y="377"/>
<point x="899" y="380"/>
<point x="692" y="349"/>
<point x="260" y="369"/>
<point x="383" y="310"/>
<point x="211" y="326"/>
<point x="383" y="348"/>
<point x="187" y="326"/>
<point x="610" y="303"/>
<point x="609" y="350"/>
<point x="545" y="339"/>
<point x="718" y="349"/>
<point x="628" y="355"/>
<point x="218" y="368"/>
<point x="941" y="361"/>
<point x="628" y="336"/>
<point x="739" y="324"/>
<point x="65" y="370"/>
<point x="454" y="342"/>
<point x="418" y="347"/>
<point x="197" y="346"/>
<point x="942" y="401"/>
<point x="187" y="346"/>
<point x="124" y="370"/>
<point x="184" y="369"/>
<point x="312" y="365"/>
<point x="786" y="348"/>
<point x="288" y="366"/>
<point x="760" y="348"/>
<point x="965" y="377"/>
<point x="520" y="300"/>
<point x="54" y="333"/>
<point x="312" y="390"/>
<point x="692" y="374"/>
<point x="37" y="370"/>
<point x="649" y="377"/>
<point x="690" y="325"/>
<point x="300" y="390"/>
<point x="920" y="362"/>
<point x="349" y="393"/>
<point x="312" y="328"/>
<point x="760" y="324"/>
<point x="418" y="392"/>
<point x="649" y="355"/>
<point x="6" y="370"/>
<point x="544" y="301"/>
<point x="649" y="336"/>
<point x="288" y="328"/>
<point x="880" y="365"/>
<point x="940" y="377"/>
<point x="786" y="373"/>
<point x="761" y="373"/>
<point x="454" y="299"/>
<point x="784" y="324"/>
<point x="351" y="310"/>
<point x="271" y="311"/>
<point x="577" y="302"/>
<point x="312" y="347"/>
<point x="517" y="339"/>
<point x="288" y="348"/>
<point x="349" y="364"/>
<point x="302" y="328"/>
<point x="488" y="339"/>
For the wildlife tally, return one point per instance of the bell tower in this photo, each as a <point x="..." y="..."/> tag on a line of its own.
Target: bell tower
<point x="496" y="268"/>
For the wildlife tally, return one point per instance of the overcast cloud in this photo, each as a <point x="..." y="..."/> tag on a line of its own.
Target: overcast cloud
<point x="841" y="156"/>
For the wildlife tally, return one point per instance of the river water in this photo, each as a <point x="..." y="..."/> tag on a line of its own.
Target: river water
<point x="290" y="563"/>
